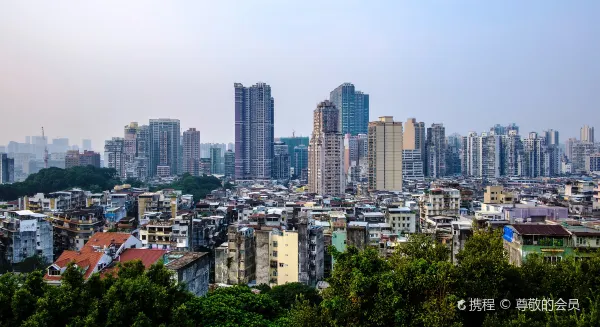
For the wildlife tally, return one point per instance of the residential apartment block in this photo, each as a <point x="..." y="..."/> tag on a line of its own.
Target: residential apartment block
<point x="254" y="133"/>
<point x="385" y="155"/>
<point x="325" y="153"/>
<point x="27" y="234"/>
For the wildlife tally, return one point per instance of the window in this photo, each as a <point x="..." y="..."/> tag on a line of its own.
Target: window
<point x="552" y="259"/>
<point x="580" y="240"/>
<point x="275" y="253"/>
<point x="280" y="265"/>
<point x="274" y="244"/>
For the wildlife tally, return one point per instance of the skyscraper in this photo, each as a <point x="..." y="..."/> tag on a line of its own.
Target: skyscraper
<point x="512" y="147"/>
<point x="281" y="162"/>
<point x="113" y="149"/>
<point x="325" y="156"/>
<point x="482" y="155"/>
<point x="254" y="137"/>
<point x="130" y="148"/>
<point x="191" y="151"/>
<point x="356" y="152"/>
<point x="216" y="160"/>
<point x="354" y="109"/>
<point x="229" y="164"/>
<point x="435" y="148"/>
<point x="532" y="147"/>
<point x="165" y="137"/>
<point x="385" y="154"/>
<point x="7" y="169"/>
<point x="551" y="137"/>
<point x="587" y="134"/>
<point x="454" y="152"/>
<point x="414" y="147"/>
<point x="300" y="162"/>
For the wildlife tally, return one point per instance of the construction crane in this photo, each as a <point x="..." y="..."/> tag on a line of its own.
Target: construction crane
<point x="45" y="149"/>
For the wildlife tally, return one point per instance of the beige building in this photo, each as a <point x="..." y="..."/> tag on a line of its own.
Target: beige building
<point x="413" y="137"/>
<point x="385" y="154"/>
<point x="325" y="153"/>
<point x="497" y="195"/>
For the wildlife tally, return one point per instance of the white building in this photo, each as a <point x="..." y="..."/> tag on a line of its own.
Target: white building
<point x="29" y="234"/>
<point x="401" y="220"/>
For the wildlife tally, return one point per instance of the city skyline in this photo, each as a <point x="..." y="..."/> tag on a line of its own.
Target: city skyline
<point x="415" y="59"/>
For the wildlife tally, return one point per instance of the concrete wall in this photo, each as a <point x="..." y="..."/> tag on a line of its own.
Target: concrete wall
<point x="221" y="269"/>
<point x="196" y="276"/>
<point x="263" y="252"/>
<point x="357" y="236"/>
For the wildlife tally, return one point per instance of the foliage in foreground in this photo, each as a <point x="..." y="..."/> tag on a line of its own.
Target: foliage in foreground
<point x="415" y="287"/>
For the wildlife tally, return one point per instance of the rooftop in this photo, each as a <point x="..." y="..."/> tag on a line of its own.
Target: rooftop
<point x="540" y="229"/>
<point x="182" y="259"/>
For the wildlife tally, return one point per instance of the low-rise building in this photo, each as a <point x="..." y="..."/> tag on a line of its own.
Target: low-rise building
<point x="97" y="254"/>
<point x="73" y="228"/>
<point x="191" y="269"/>
<point x="26" y="234"/>
<point x="241" y="252"/>
<point x="440" y="202"/>
<point x="156" y="234"/>
<point x="497" y="195"/>
<point x="553" y="242"/>
<point x="401" y="220"/>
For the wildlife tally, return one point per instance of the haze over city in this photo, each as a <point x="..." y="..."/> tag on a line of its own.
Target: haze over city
<point x="85" y="69"/>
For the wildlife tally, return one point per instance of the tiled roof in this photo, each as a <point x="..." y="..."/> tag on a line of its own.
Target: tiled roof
<point x="538" y="229"/>
<point x="147" y="256"/>
<point x="105" y="239"/>
<point x="182" y="259"/>
<point x="84" y="260"/>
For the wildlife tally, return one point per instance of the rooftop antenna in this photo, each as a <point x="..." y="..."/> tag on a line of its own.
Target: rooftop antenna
<point x="293" y="133"/>
<point x="45" y="149"/>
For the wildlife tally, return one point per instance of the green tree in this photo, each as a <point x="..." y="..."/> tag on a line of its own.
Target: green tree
<point x="287" y="295"/>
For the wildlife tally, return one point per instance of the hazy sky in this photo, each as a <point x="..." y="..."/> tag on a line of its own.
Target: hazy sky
<point x="84" y="69"/>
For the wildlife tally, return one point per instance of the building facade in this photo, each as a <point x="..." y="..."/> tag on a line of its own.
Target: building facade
<point x="191" y="151"/>
<point x="254" y="133"/>
<point x="385" y="154"/>
<point x="229" y="159"/>
<point x="325" y="152"/>
<point x="435" y="148"/>
<point x="354" y="109"/>
<point x="281" y="162"/>
<point x="113" y="149"/>
<point x="7" y="169"/>
<point x="27" y="234"/>
<point x="587" y="134"/>
<point x="165" y="139"/>
<point x="300" y="160"/>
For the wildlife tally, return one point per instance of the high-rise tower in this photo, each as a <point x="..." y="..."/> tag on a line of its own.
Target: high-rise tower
<point x="191" y="151"/>
<point x="325" y="152"/>
<point x="385" y="154"/>
<point x="165" y="138"/>
<point x="254" y="137"/>
<point x="354" y="109"/>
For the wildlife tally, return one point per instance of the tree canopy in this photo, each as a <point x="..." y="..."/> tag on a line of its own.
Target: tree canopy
<point x="198" y="186"/>
<point x="56" y="179"/>
<point x="417" y="286"/>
